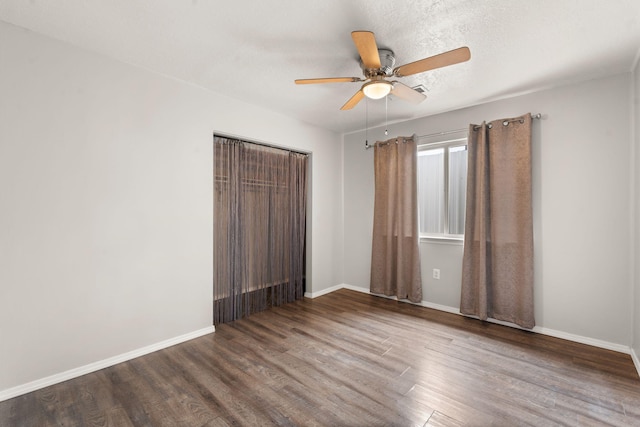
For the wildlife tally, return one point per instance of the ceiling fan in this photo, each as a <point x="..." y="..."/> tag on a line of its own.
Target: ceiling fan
<point x="377" y="66"/>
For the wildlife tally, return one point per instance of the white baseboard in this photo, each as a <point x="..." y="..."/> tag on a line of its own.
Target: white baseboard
<point x="635" y="359"/>
<point x="440" y="307"/>
<point x="537" y="329"/>
<point x="324" y="291"/>
<point x="96" y="366"/>
<point x="427" y="304"/>
<point x="583" y="340"/>
<point x="356" y="288"/>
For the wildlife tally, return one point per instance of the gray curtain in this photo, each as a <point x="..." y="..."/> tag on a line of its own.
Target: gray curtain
<point x="259" y="227"/>
<point x="497" y="272"/>
<point x="395" y="258"/>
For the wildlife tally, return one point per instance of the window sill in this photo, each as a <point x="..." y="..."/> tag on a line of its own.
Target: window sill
<point x="442" y="240"/>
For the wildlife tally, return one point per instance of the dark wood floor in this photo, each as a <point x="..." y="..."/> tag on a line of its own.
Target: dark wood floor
<point x="349" y="359"/>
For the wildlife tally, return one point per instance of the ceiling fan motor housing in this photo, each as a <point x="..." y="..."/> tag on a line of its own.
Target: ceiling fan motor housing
<point x="387" y="61"/>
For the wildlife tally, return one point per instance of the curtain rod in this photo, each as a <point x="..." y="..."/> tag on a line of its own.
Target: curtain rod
<point x="533" y="116"/>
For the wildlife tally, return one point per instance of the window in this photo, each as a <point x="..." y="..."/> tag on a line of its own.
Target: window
<point x="442" y="186"/>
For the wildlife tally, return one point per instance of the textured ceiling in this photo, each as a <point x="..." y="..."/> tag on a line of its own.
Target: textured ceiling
<point x="253" y="50"/>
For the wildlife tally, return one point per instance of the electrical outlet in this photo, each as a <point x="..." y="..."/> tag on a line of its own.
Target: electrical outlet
<point x="436" y="273"/>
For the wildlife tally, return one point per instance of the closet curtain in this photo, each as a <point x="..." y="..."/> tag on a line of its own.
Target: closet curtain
<point x="497" y="272"/>
<point x="395" y="257"/>
<point x="259" y="227"/>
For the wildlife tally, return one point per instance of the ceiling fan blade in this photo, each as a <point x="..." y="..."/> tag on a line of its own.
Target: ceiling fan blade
<point x="365" y="42"/>
<point x="353" y="101"/>
<point x="455" y="56"/>
<point x="328" y="80"/>
<point x="403" y="91"/>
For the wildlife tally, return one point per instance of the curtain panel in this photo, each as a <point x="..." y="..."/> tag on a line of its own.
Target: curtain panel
<point x="395" y="257"/>
<point x="497" y="271"/>
<point x="259" y="227"/>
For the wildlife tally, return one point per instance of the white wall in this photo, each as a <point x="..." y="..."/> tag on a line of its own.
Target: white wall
<point x="636" y="260"/>
<point x="106" y="217"/>
<point x="581" y="195"/>
<point x="106" y="205"/>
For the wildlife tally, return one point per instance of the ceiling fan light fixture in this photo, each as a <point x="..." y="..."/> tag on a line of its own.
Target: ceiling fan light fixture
<point x="377" y="89"/>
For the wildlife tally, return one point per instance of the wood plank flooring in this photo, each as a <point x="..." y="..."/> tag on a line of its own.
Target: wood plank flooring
<point x="349" y="359"/>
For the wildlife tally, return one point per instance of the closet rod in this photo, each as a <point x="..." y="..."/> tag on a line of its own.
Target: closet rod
<point x="263" y="144"/>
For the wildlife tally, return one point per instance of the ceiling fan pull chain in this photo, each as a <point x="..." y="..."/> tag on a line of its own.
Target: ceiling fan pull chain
<point x="366" y="123"/>
<point x="386" y="115"/>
